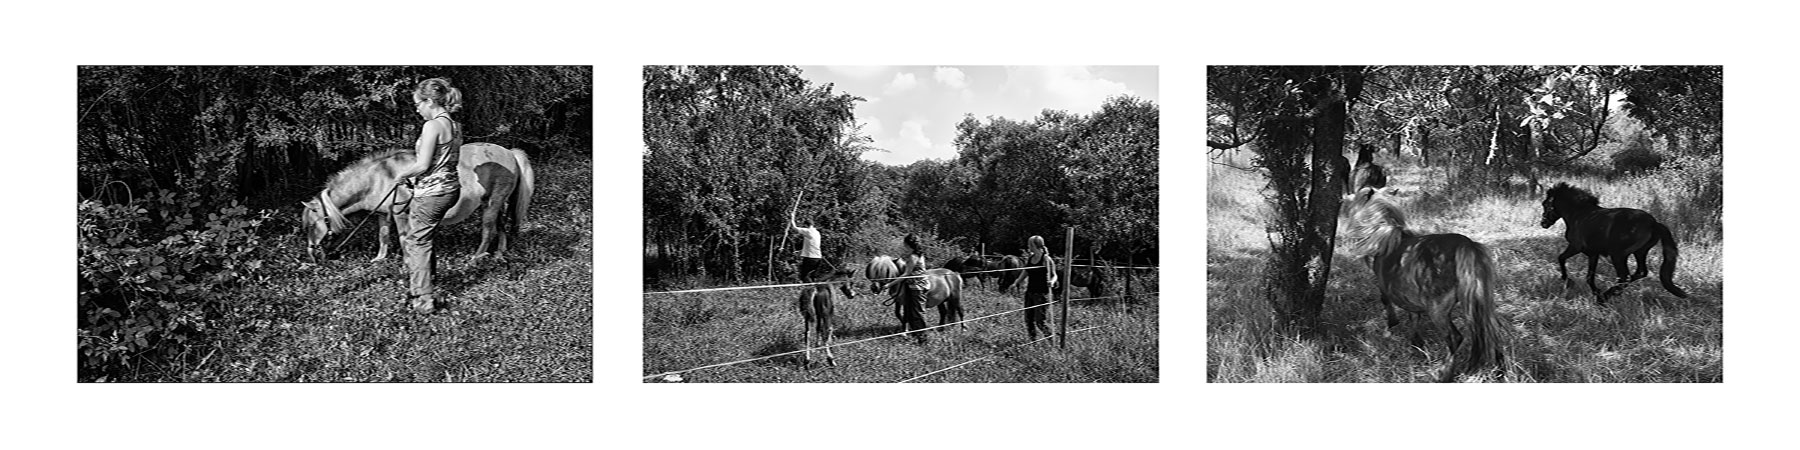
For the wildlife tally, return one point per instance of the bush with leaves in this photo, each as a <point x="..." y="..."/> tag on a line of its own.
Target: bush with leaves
<point x="149" y="274"/>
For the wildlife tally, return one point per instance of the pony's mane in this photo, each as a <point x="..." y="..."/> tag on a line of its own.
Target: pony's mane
<point x="334" y="216"/>
<point x="365" y="163"/>
<point x="1574" y="194"/>
<point x="1377" y="227"/>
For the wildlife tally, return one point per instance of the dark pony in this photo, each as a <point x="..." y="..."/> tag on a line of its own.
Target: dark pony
<point x="1090" y="278"/>
<point x="1009" y="264"/>
<point x="1612" y="232"/>
<point x="1447" y="277"/>
<point x="974" y="264"/>
<point x="818" y="308"/>
<point x="1367" y="174"/>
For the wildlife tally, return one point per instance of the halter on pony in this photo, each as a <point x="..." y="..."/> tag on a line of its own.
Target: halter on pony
<point x="324" y="219"/>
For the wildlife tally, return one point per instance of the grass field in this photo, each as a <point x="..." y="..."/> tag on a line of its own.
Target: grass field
<point x="528" y="318"/>
<point x="689" y="330"/>
<point x="1558" y="333"/>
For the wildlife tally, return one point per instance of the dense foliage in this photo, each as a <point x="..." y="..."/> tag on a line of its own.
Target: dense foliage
<point x="729" y="149"/>
<point x="182" y="171"/>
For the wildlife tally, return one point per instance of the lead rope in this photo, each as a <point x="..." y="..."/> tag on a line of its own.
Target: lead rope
<point x="365" y="219"/>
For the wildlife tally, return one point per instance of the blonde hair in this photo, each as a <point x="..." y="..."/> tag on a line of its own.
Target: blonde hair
<point x="1035" y="243"/>
<point x="440" y="92"/>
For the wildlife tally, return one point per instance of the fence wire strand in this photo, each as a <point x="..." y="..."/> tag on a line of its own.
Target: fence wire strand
<point x="997" y="353"/>
<point x="903" y="333"/>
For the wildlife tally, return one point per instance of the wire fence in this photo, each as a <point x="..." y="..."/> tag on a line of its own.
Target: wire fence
<point x="668" y="375"/>
<point x="840" y="344"/>
<point x="997" y="353"/>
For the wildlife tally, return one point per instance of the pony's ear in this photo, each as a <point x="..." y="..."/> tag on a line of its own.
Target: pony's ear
<point x="1365" y="194"/>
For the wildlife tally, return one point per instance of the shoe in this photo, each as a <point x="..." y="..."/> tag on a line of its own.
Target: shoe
<point x="424" y="305"/>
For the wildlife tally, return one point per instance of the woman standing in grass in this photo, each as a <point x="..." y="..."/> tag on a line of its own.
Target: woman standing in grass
<point x="912" y="292"/>
<point x="436" y="187"/>
<point x="1040" y="274"/>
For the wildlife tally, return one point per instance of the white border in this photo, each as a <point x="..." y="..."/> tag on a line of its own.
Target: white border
<point x="45" y="408"/>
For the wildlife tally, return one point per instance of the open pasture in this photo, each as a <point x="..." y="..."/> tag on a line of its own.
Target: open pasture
<point x="686" y="330"/>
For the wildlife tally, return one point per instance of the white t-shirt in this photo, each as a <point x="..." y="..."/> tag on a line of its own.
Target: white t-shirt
<point x="809" y="243"/>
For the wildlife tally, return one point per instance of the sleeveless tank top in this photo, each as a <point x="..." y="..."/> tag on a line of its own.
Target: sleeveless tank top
<point x="441" y="178"/>
<point x="1037" y="277"/>
<point x="915" y="265"/>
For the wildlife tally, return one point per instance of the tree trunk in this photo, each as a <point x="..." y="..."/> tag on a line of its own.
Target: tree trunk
<point x="1494" y="153"/>
<point x="1305" y="198"/>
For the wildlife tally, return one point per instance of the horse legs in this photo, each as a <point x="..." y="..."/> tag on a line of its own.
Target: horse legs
<point x="1642" y="270"/>
<point x="1453" y="340"/>
<point x="1392" y="318"/>
<point x="806" y="330"/>
<point x="490" y="224"/>
<point x="1594" y="264"/>
<point x="1562" y="260"/>
<point x="830" y="330"/>
<point x="382" y="234"/>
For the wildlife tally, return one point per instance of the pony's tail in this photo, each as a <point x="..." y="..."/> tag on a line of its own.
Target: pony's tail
<point x="1475" y="281"/>
<point x="521" y="201"/>
<point x="1668" y="260"/>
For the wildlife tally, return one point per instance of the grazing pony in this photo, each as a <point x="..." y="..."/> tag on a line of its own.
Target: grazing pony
<point x="494" y="178"/>
<point x="1010" y="264"/>
<point x="1446" y="277"/>
<point x="1090" y="277"/>
<point x="1367" y="173"/>
<point x="974" y="264"/>
<point x="1612" y="232"/>
<point x="817" y="308"/>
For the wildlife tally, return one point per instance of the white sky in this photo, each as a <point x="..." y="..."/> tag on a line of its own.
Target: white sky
<point x="912" y="111"/>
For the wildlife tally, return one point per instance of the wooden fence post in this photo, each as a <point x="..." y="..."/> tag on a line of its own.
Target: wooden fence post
<point x="1068" y="271"/>
<point x="771" y="266"/>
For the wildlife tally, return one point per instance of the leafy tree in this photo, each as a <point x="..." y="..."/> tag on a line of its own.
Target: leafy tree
<point x="1296" y="119"/>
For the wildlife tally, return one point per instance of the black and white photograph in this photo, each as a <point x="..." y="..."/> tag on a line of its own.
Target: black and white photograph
<point x="1534" y="224"/>
<point x="335" y="224"/>
<point x="882" y="224"/>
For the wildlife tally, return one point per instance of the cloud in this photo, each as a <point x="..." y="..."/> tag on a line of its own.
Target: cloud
<point x="871" y="126"/>
<point x="1074" y="89"/>
<point x="913" y="131"/>
<point x="859" y="72"/>
<point x="951" y="76"/>
<point x="901" y="83"/>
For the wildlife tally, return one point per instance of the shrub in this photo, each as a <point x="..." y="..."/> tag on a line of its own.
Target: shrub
<point x="149" y="272"/>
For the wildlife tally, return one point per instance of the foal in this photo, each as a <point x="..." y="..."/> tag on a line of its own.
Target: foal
<point x="817" y="309"/>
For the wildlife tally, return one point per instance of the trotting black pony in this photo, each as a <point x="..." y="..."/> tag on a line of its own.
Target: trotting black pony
<point x="1367" y="173"/>
<point x="1612" y="232"/>
<point x="1446" y="277"/>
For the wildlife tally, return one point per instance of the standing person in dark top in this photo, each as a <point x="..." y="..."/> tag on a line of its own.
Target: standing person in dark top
<point x="1040" y="275"/>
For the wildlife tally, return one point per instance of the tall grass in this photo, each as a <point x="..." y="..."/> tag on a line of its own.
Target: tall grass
<point x="689" y="330"/>
<point x="1557" y="332"/>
